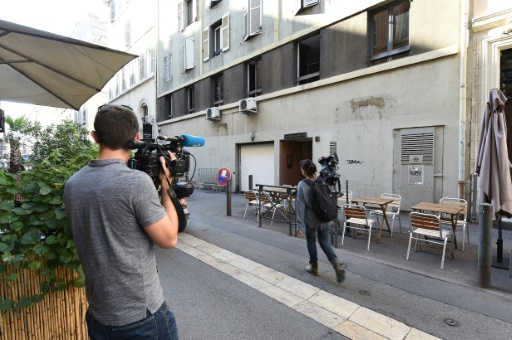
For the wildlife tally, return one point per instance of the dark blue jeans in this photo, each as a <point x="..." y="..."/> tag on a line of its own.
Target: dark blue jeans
<point x="323" y="240"/>
<point x="161" y="325"/>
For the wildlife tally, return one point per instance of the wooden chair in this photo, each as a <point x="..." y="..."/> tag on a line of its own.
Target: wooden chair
<point x="355" y="217"/>
<point x="392" y="210"/>
<point x="427" y="228"/>
<point x="251" y="199"/>
<point x="461" y="217"/>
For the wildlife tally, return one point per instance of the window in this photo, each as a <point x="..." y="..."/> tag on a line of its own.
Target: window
<point x="131" y="69"/>
<point x="187" y="13"/>
<point x="304" y="4"/>
<point x="84" y="118"/>
<point x="190" y="99"/>
<point x="213" y="3"/>
<point x="142" y="67"/>
<point x="253" y="19"/>
<point x="218" y="90"/>
<point x="308" y="60"/>
<point x="389" y="32"/>
<point x="254" y="78"/>
<point x="127" y="34"/>
<point x="219" y="39"/>
<point x="216" y="40"/>
<point x="112" y="11"/>
<point x="123" y="79"/>
<point x="168" y="67"/>
<point x="152" y="61"/>
<point x="168" y="105"/>
<point x="189" y="54"/>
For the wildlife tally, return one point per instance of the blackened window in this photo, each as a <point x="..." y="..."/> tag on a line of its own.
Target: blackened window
<point x="308" y="60"/>
<point x="254" y="78"/>
<point x="218" y="89"/>
<point x="190" y="99"/>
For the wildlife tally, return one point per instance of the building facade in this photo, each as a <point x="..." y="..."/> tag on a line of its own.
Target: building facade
<point x="268" y="83"/>
<point x="133" y="29"/>
<point x="396" y="89"/>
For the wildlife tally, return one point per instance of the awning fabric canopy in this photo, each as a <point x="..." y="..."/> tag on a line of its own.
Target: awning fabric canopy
<point x="42" y="68"/>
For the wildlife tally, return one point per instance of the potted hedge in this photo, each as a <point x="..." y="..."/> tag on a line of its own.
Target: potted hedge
<point x="38" y="255"/>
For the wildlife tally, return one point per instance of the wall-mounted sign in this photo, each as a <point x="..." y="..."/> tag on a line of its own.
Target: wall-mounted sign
<point x="416" y="159"/>
<point x="295" y="135"/>
<point x="415" y="175"/>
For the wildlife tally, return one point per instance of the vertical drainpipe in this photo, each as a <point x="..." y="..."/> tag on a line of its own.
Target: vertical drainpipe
<point x="463" y="44"/>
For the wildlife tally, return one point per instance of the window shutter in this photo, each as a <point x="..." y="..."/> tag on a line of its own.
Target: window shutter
<point x="195" y="10"/>
<point x="166" y="69"/>
<point x="307" y="3"/>
<point x="189" y="53"/>
<point x="181" y="24"/>
<point x="206" y="44"/>
<point x="255" y="17"/>
<point x="246" y="25"/>
<point x="225" y="33"/>
<point x="170" y="67"/>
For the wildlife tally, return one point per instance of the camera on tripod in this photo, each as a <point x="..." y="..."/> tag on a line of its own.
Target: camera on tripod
<point x="329" y="171"/>
<point x="147" y="156"/>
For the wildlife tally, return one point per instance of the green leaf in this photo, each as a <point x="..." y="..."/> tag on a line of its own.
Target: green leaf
<point x="17" y="226"/>
<point x="50" y="240"/>
<point x="5" y="247"/>
<point x="44" y="287"/>
<point x="3" y="268"/>
<point x="16" y="259"/>
<point x="21" y="211"/>
<point x="37" y="298"/>
<point x="31" y="188"/>
<point x="45" y="191"/>
<point x="34" y="265"/>
<point x="6" y="205"/>
<point x="65" y="258"/>
<point x="8" y="217"/>
<point x="71" y="244"/>
<point x="41" y="249"/>
<point x="24" y="302"/>
<point x="6" y="304"/>
<point x="56" y="200"/>
<point x="60" y="213"/>
<point x="12" y="277"/>
<point x="33" y="236"/>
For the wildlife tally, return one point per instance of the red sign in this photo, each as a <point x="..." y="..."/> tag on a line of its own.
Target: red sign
<point x="222" y="176"/>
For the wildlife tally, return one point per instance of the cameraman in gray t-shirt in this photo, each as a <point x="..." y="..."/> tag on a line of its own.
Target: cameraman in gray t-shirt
<point x="116" y="216"/>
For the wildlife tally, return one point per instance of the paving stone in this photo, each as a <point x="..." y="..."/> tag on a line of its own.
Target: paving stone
<point x="297" y="287"/>
<point x="281" y="295"/>
<point x="270" y="275"/>
<point x="319" y="314"/>
<point x="416" y="334"/>
<point x="333" y="303"/>
<point x="356" y="332"/>
<point x="380" y="324"/>
<point x="225" y="255"/>
<point x="245" y="264"/>
<point x="252" y="281"/>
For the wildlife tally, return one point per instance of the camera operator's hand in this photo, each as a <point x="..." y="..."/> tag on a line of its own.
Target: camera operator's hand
<point x="166" y="173"/>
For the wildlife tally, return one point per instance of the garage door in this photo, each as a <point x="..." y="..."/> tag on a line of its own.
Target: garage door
<point x="256" y="160"/>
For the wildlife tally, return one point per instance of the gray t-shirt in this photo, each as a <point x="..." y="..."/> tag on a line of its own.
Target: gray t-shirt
<point x="107" y="207"/>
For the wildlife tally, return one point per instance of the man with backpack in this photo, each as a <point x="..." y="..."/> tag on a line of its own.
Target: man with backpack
<point x="311" y="197"/>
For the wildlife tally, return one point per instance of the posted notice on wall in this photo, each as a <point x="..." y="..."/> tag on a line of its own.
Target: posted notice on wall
<point x="415" y="174"/>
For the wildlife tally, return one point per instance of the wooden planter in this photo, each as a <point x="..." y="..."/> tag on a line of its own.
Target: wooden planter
<point x="61" y="314"/>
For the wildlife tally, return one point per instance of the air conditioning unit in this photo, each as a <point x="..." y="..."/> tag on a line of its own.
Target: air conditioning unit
<point x="213" y="113"/>
<point x="247" y="105"/>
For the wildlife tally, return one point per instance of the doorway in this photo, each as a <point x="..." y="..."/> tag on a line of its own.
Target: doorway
<point x="506" y="88"/>
<point x="290" y="155"/>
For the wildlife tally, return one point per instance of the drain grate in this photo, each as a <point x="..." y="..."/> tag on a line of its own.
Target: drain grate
<point x="451" y="322"/>
<point x="364" y="292"/>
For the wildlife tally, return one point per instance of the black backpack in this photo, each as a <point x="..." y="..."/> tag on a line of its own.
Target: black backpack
<point x="324" y="202"/>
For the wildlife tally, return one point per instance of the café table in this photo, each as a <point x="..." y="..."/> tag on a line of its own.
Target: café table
<point x="449" y="209"/>
<point x="277" y="196"/>
<point x="382" y="202"/>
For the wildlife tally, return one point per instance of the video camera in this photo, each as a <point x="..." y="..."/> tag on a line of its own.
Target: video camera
<point x="329" y="171"/>
<point x="147" y="157"/>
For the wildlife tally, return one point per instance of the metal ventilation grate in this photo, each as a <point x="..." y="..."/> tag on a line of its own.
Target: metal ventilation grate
<point x="333" y="148"/>
<point x="418" y="144"/>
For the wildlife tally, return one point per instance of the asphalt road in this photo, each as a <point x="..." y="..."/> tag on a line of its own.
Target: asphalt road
<point x="209" y="304"/>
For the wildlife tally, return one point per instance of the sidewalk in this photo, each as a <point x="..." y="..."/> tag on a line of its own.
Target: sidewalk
<point x="390" y="251"/>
